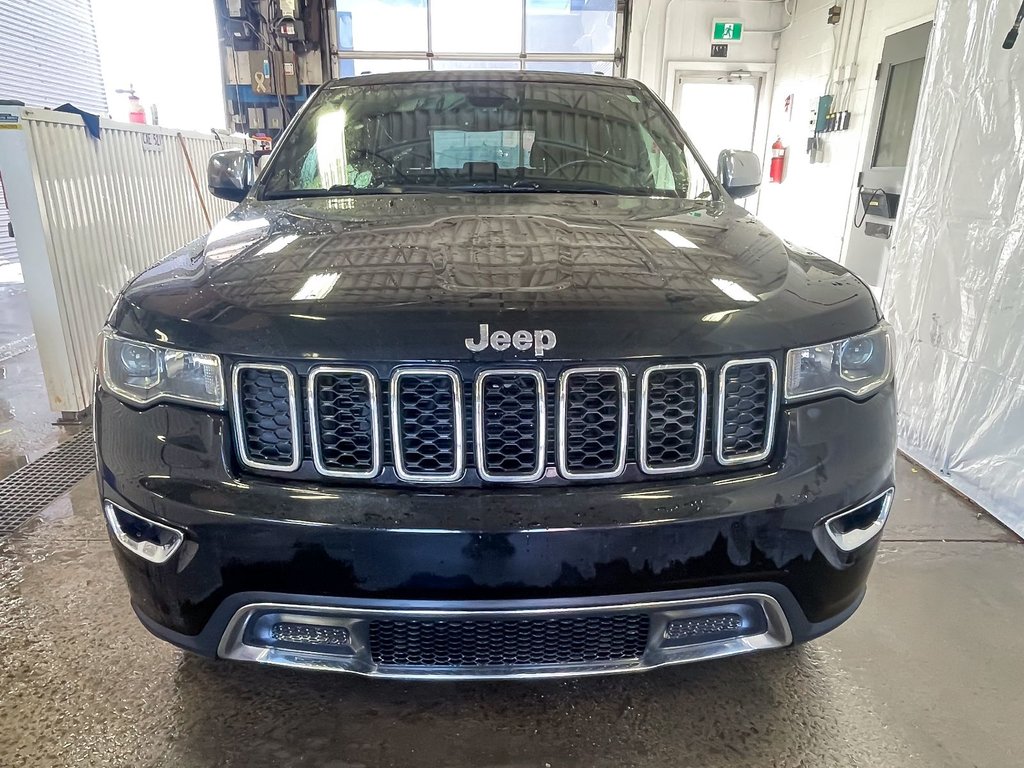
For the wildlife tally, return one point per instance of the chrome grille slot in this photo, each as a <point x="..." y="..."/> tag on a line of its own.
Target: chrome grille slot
<point x="266" y="417"/>
<point x="673" y="416"/>
<point x="747" y="401"/>
<point x="593" y="422"/>
<point x="510" y="425"/>
<point x="427" y="425"/>
<point x="344" y="406"/>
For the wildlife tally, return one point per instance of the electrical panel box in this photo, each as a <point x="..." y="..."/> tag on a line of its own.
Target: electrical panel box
<point x="286" y="63"/>
<point x="878" y="202"/>
<point x="311" y="68"/>
<point x="821" y="120"/>
<point x="256" y="118"/>
<point x="239" y="30"/>
<point x="275" y="120"/>
<point x="258" y="70"/>
<point x="269" y="73"/>
<point x="882" y="231"/>
<point x="290" y="29"/>
<point x="273" y="57"/>
<point x="231" y="74"/>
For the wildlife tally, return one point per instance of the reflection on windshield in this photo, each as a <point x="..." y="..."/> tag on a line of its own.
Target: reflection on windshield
<point x="482" y="136"/>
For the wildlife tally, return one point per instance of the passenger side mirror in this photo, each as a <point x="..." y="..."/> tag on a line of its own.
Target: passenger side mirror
<point x="740" y="172"/>
<point x="230" y="174"/>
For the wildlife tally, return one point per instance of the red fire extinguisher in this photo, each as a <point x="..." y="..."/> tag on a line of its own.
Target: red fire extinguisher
<point x="136" y="112"/>
<point x="778" y="167"/>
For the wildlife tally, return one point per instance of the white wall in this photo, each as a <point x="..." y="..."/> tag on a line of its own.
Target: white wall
<point x="812" y="207"/>
<point x="664" y="31"/>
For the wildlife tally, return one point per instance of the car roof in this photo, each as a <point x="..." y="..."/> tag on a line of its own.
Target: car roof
<point x="481" y="75"/>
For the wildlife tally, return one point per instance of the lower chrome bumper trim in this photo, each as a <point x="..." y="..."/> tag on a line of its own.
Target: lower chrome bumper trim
<point x="251" y="635"/>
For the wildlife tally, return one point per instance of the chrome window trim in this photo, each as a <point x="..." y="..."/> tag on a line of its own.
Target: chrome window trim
<point x="460" y="428"/>
<point x="314" y="422"/>
<point x="293" y="410"/>
<point x="478" y="424"/>
<point x="562" y="457"/>
<point x="772" y="416"/>
<point x="702" y="417"/>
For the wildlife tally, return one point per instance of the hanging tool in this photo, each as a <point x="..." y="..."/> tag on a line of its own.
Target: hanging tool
<point x="1011" y="36"/>
<point x="195" y="180"/>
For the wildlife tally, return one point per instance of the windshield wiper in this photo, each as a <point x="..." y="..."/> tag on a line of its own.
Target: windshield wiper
<point x="524" y="185"/>
<point x="338" y="190"/>
<point x="536" y="186"/>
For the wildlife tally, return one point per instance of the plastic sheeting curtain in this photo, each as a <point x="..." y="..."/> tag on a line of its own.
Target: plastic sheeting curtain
<point x="955" y="285"/>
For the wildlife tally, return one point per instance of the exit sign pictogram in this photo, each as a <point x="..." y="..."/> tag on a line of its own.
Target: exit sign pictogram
<point x="727" y="31"/>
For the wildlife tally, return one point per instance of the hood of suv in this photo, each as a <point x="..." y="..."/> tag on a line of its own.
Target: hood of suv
<point x="415" y="277"/>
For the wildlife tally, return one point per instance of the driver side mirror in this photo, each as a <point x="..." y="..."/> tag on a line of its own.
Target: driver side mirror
<point x="740" y="172"/>
<point x="231" y="173"/>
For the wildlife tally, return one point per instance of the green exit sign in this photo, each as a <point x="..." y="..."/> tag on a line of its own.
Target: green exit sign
<point x="727" y="31"/>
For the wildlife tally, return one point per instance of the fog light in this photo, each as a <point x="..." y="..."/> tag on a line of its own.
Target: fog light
<point x="146" y="538"/>
<point x="309" y="634"/>
<point x="699" y="628"/>
<point x="856" y="527"/>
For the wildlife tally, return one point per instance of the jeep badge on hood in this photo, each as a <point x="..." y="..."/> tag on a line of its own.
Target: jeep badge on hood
<point x="540" y="341"/>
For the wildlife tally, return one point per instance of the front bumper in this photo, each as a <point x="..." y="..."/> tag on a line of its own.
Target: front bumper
<point x="336" y="551"/>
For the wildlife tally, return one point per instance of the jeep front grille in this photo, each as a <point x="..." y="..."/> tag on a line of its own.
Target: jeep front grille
<point x="436" y="424"/>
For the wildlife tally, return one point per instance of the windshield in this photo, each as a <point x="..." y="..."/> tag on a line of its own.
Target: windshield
<point x="482" y="136"/>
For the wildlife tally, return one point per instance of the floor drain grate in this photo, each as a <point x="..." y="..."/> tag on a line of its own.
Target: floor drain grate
<point x="32" y="488"/>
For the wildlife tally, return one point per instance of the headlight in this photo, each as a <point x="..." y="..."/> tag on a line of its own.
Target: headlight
<point x="143" y="373"/>
<point x="857" y="366"/>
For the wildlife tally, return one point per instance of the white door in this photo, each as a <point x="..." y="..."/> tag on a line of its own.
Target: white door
<point x="719" y="110"/>
<point x="880" y="184"/>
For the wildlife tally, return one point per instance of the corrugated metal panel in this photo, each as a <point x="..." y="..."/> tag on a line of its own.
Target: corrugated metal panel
<point x="106" y="210"/>
<point x="49" y="55"/>
<point x="7" y="250"/>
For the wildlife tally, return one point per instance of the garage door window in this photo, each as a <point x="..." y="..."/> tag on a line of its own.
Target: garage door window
<point x="583" y="36"/>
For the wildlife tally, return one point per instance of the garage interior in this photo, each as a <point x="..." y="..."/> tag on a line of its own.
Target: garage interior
<point x="901" y="131"/>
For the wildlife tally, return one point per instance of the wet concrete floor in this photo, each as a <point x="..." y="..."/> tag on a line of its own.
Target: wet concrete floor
<point x="26" y="422"/>
<point x="928" y="673"/>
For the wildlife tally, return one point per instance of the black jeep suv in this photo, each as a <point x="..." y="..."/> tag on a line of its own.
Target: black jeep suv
<point x="488" y="375"/>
